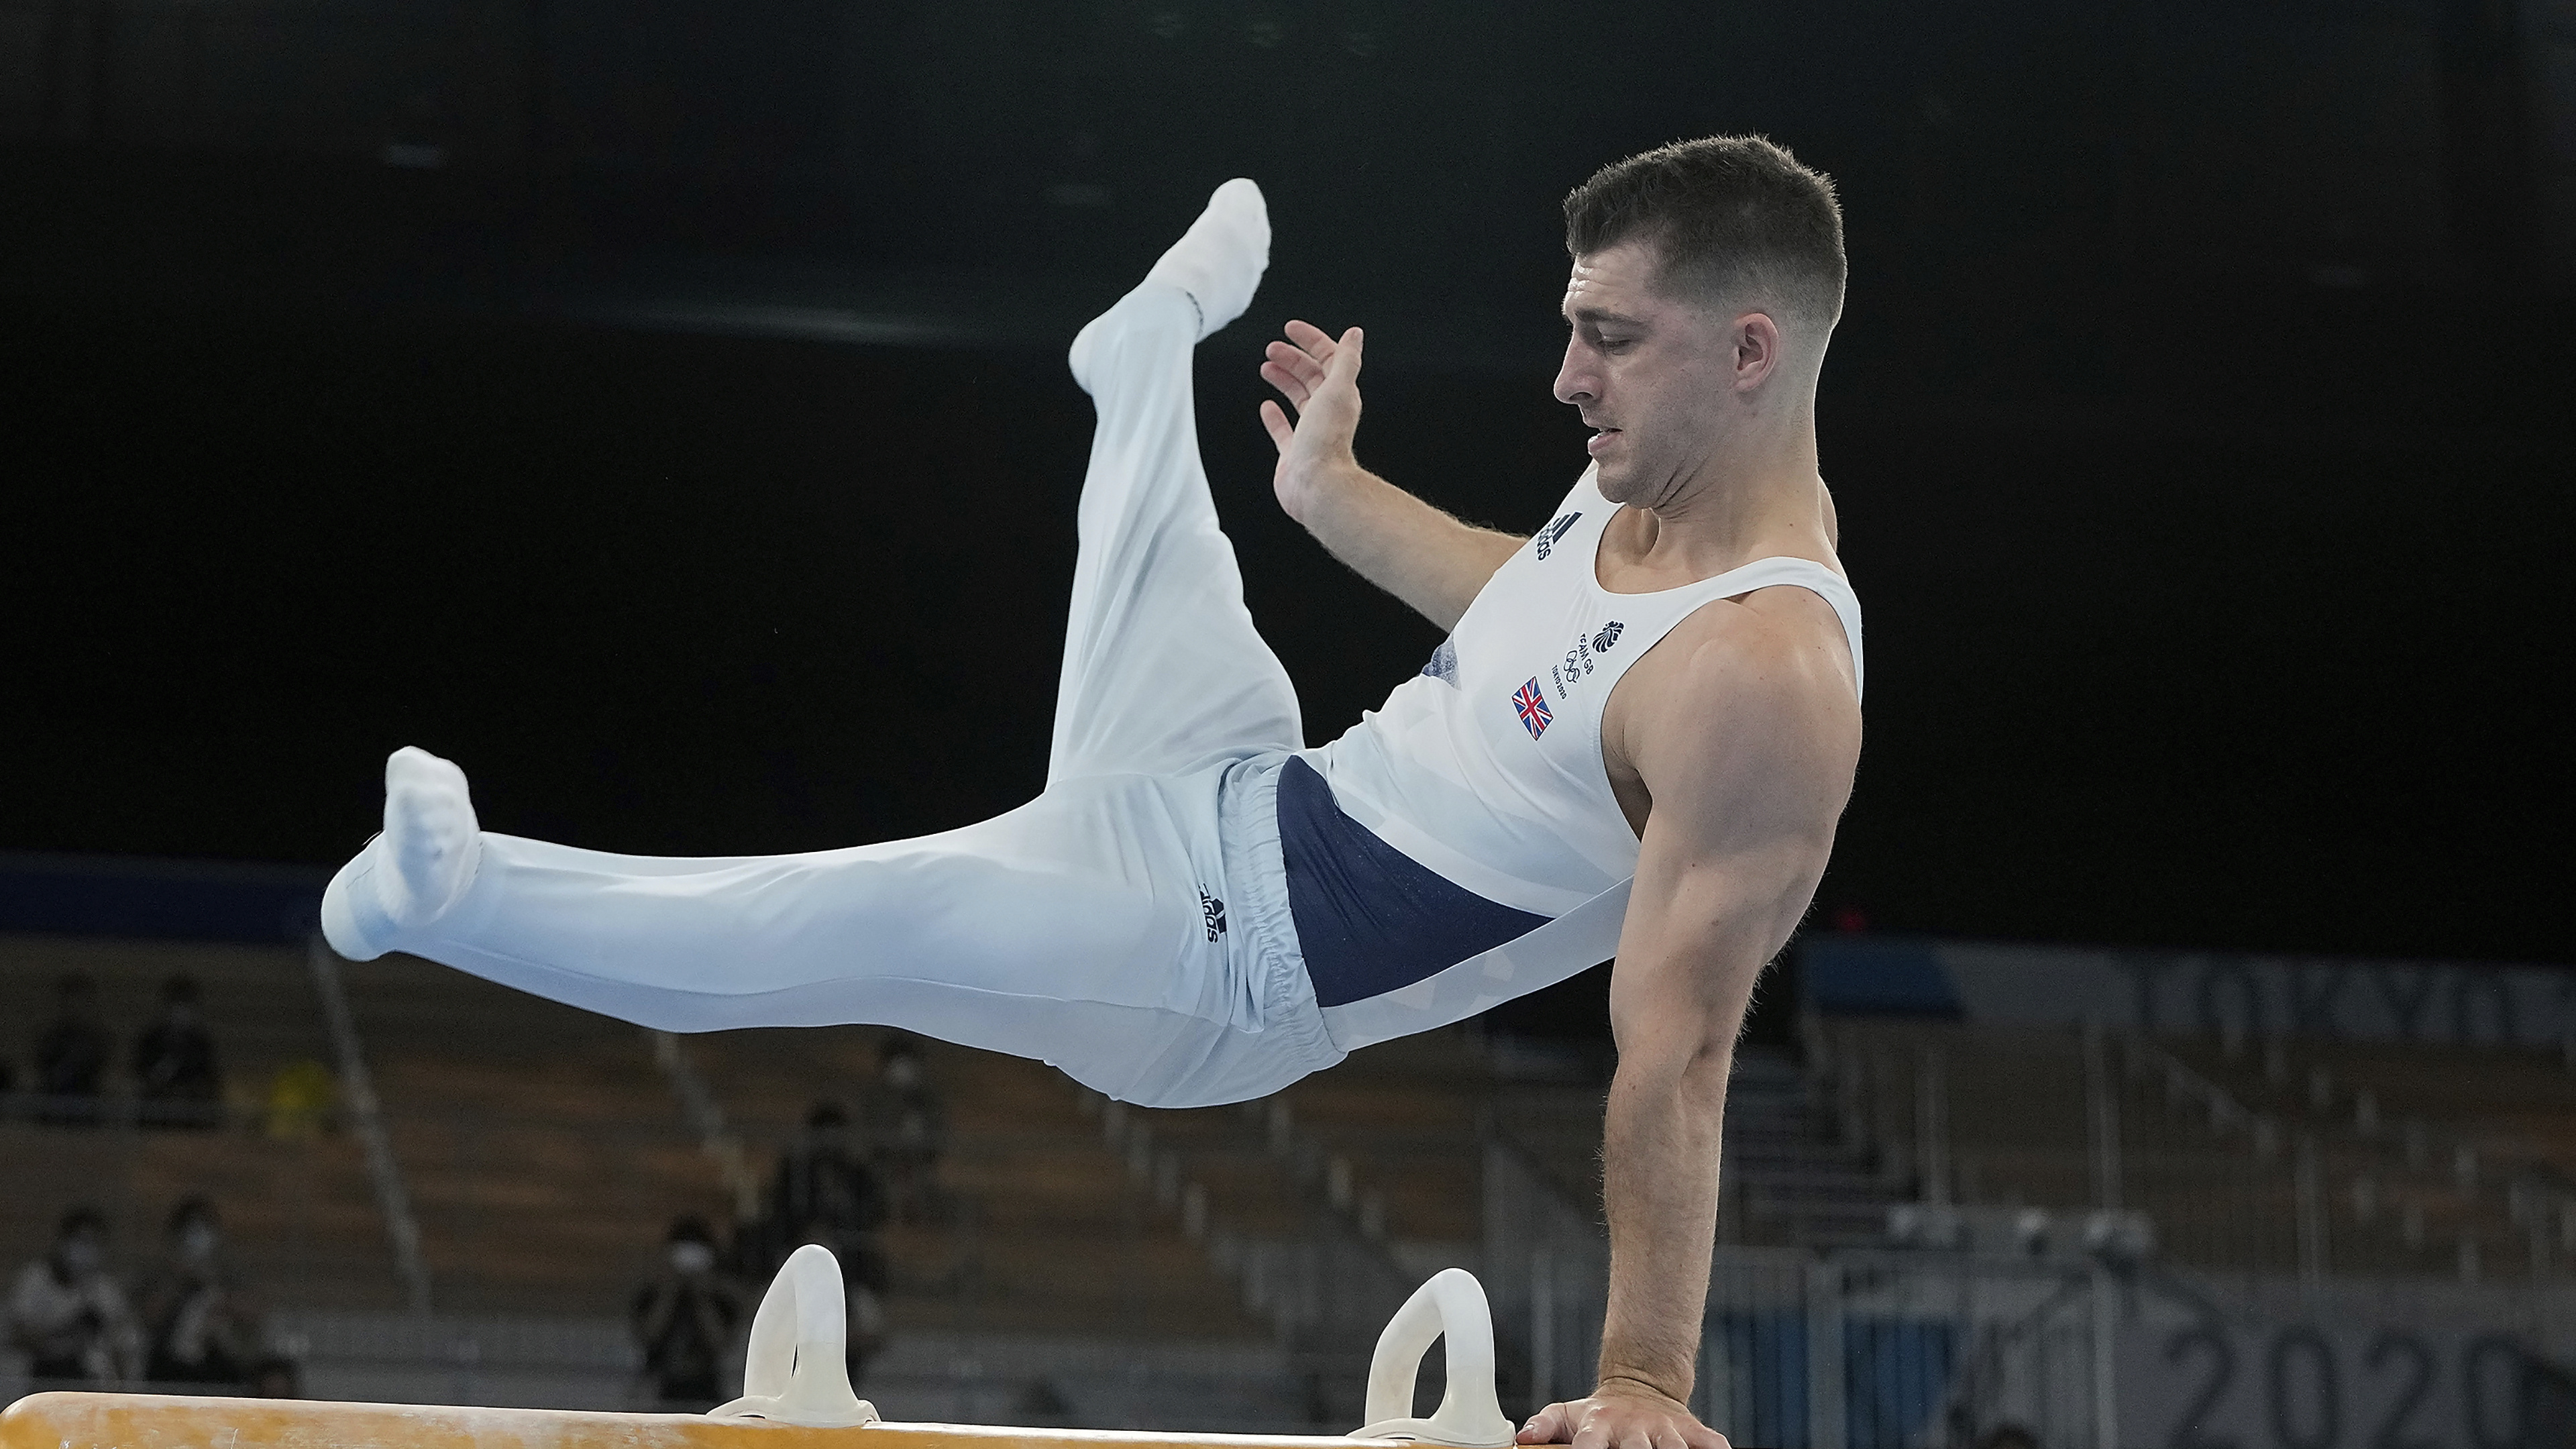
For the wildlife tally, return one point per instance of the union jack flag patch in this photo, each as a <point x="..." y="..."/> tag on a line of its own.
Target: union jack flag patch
<point x="1533" y="708"/>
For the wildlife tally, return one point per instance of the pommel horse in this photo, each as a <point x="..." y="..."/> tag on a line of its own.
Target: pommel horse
<point x="796" y="1395"/>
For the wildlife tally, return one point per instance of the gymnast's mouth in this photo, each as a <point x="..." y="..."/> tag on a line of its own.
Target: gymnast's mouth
<point x="1600" y="438"/>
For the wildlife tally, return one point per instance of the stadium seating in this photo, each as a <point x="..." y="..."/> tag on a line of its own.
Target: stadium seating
<point x="543" y="1150"/>
<point x="1049" y="1231"/>
<point x="298" y="1212"/>
<point x="2231" y="1152"/>
<point x="1792" y="1176"/>
<point x="1222" y="1265"/>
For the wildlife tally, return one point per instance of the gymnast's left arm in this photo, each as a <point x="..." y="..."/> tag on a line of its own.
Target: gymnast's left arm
<point x="1747" y="749"/>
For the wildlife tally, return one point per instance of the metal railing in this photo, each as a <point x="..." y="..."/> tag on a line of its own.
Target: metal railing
<point x="1941" y="1348"/>
<point x="366" y="1120"/>
<point x="2107" y="1121"/>
<point x="1860" y="1350"/>
<point x="1324" y="1276"/>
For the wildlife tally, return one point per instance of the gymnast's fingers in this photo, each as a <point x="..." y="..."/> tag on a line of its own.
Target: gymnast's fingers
<point x="1290" y="385"/>
<point x="1313" y="340"/>
<point x="1547" y="1426"/>
<point x="1276" y="421"/>
<point x="1307" y="371"/>
<point x="1345" y="365"/>
<point x="1289" y="355"/>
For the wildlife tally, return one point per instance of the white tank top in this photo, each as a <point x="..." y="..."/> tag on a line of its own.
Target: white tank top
<point x="1487" y="767"/>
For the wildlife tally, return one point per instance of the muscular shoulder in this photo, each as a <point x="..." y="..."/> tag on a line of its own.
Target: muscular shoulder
<point x="1747" y="711"/>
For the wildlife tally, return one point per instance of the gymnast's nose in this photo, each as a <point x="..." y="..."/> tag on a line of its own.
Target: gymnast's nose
<point x="1576" y="381"/>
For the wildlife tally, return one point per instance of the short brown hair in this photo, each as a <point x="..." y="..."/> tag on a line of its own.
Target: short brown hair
<point x="1728" y="214"/>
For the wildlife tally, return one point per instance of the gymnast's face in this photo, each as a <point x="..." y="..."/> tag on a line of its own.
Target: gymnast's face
<point x="1653" y="374"/>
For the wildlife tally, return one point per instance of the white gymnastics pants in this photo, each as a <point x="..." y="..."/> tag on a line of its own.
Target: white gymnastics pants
<point x="1130" y="925"/>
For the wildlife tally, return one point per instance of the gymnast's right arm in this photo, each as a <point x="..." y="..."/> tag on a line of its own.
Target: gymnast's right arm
<point x="1426" y="557"/>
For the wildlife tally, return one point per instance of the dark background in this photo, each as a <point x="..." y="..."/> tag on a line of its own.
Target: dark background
<point x="659" y="410"/>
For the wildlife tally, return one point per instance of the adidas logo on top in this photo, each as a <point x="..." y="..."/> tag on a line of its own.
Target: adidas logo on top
<point x="1545" y="543"/>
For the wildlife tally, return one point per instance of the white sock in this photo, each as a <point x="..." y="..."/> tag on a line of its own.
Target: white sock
<point x="421" y="865"/>
<point x="1217" y="264"/>
<point x="431" y="842"/>
<point x="1220" y="259"/>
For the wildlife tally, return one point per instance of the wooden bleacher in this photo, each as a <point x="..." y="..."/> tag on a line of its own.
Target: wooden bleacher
<point x="544" y="1153"/>
<point x="299" y="1216"/>
<point x="2398" y="1115"/>
<point x="1407" y="1115"/>
<point x="2227" y="1196"/>
<point x="1049" y="1232"/>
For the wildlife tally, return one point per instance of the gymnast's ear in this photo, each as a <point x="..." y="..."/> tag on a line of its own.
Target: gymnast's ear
<point x="1753" y="346"/>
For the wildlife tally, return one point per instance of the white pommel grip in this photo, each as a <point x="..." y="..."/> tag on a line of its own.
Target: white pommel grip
<point x="1452" y="1306"/>
<point x="797" y="1368"/>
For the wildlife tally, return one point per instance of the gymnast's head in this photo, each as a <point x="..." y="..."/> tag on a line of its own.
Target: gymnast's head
<point x="1707" y="278"/>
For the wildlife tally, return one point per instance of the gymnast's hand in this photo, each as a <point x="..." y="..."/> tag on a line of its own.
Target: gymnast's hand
<point x="1621" y="1415"/>
<point x="1320" y="377"/>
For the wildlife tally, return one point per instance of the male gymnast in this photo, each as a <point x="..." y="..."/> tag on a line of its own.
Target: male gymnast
<point x="1634" y="745"/>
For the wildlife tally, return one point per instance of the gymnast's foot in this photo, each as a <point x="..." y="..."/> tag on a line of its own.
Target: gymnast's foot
<point x="1218" y="263"/>
<point x="408" y="876"/>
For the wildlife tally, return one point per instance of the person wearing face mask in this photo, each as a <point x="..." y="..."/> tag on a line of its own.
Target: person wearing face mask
<point x="685" y="1319"/>
<point x="67" y="1313"/>
<point x="174" y="1061"/>
<point x="201" y="1325"/>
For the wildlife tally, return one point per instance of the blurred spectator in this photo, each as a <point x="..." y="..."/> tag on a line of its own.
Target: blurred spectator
<point x="66" y="1311"/>
<point x="71" y="1055"/>
<point x="686" y="1318"/>
<point x="2008" y="1436"/>
<point x="820" y="1180"/>
<point x="907" y="1129"/>
<point x="174" y="1062"/>
<point x="863" y="1287"/>
<point x="200" y="1324"/>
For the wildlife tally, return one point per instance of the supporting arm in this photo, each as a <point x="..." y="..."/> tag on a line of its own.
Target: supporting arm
<point x="1747" y="750"/>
